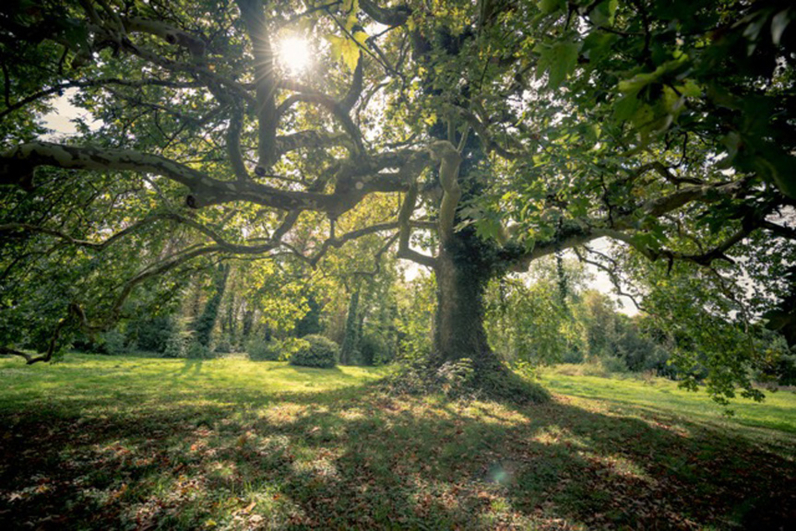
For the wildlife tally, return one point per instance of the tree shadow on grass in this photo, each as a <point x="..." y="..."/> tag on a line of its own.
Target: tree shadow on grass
<point x="191" y="367"/>
<point x="358" y="459"/>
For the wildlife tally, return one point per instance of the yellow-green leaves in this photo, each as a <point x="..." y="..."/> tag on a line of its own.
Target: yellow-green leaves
<point x="345" y="50"/>
<point x="558" y="60"/>
<point x="348" y="47"/>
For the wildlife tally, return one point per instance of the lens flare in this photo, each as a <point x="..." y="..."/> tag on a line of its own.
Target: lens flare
<point x="294" y="55"/>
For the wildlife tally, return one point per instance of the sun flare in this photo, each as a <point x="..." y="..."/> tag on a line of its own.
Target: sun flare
<point x="294" y="55"/>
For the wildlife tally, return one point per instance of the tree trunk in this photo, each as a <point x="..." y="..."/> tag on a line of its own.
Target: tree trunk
<point x="462" y="276"/>
<point x="207" y="321"/>
<point x="459" y="327"/>
<point x="348" y="350"/>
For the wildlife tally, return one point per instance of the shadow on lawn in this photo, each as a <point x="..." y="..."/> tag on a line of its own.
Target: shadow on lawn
<point x="358" y="459"/>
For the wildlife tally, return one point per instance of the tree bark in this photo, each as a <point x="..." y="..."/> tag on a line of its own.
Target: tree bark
<point x="463" y="269"/>
<point x="459" y="329"/>
<point x="348" y="350"/>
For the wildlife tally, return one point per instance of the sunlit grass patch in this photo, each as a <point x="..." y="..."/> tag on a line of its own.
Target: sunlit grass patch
<point x="775" y="412"/>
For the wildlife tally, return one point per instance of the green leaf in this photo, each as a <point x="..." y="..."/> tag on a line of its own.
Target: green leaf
<point x="689" y="89"/>
<point x="626" y="107"/>
<point x="551" y="6"/>
<point x="605" y="13"/>
<point x="778" y="25"/>
<point x="598" y="45"/>
<point x="559" y="60"/>
<point x="345" y="50"/>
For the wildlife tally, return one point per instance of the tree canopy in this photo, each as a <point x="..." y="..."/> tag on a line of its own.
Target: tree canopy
<point x="469" y="137"/>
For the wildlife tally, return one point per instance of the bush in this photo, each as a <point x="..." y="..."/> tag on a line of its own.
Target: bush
<point x="152" y="335"/>
<point x="223" y="347"/>
<point x="197" y="351"/>
<point x="175" y="345"/>
<point x="261" y="350"/>
<point x="614" y="365"/>
<point x="274" y="350"/>
<point x="572" y="356"/>
<point x="373" y="350"/>
<point x="112" y="342"/>
<point x="318" y="352"/>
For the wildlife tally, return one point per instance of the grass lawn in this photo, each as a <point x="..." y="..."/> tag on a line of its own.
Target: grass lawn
<point x="104" y="443"/>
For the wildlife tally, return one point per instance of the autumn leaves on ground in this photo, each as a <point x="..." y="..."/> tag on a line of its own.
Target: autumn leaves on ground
<point x="134" y="443"/>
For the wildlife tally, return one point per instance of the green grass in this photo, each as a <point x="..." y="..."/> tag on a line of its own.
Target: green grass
<point x="135" y="443"/>
<point x="777" y="411"/>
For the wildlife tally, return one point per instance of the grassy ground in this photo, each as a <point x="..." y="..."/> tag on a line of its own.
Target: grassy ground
<point x="134" y="443"/>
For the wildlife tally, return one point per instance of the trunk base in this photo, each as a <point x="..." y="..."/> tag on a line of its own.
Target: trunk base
<point x="484" y="379"/>
<point x="492" y="380"/>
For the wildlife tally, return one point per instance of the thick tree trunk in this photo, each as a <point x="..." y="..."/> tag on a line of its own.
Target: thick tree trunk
<point x="459" y="327"/>
<point x="459" y="332"/>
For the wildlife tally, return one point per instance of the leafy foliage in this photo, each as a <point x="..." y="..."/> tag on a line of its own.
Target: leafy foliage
<point x="316" y="351"/>
<point x="275" y="349"/>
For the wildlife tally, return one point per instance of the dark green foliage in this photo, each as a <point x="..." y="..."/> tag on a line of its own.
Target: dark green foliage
<point x="319" y="352"/>
<point x="262" y="350"/>
<point x="311" y="322"/>
<point x="783" y="317"/>
<point x="614" y="364"/>
<point x="374" y="350"/>
<point x="112" y="342"/>
<point x="786" y="370"/>
<point x="223" y="346"/>
<point x="177" y="343"/>
<point x="152" y="335"/>
<point x="573" y="355"/>
<point x="198" y="351"/>
<point x="640" y="353"/>
<point x="207" y="321"/>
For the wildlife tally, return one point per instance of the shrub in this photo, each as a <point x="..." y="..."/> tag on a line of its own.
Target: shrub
<point x="152" y="335"/>
<point x="572" y="356"/>
<point x="176" y="344"/>
<point x="223" y="347"/>
<point x="112" y="342"/>
<point x="373" y="350"/>
<point x="318" y="352"/>
<point x="197" y="351"/>
<point x="275" y="349"/>
<point x="261" y="350"/>
<point x="614" y="365"/>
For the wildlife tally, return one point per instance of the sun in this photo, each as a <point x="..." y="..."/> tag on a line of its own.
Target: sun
<point x="294" y="55"/>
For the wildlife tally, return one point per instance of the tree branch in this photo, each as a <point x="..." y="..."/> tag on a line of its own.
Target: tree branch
<point x="57" y="89"/>
<point x="264" y="79"/>
<point x="449" y="158"/>
<point x="18" y="164"/>
<point x="404" y="223"/>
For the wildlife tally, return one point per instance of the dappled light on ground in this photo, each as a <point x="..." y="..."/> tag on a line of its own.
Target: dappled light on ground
<point x="229" y="445"/>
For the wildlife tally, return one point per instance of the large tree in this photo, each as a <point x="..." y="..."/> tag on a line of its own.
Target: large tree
<point x="509" y="129"/>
